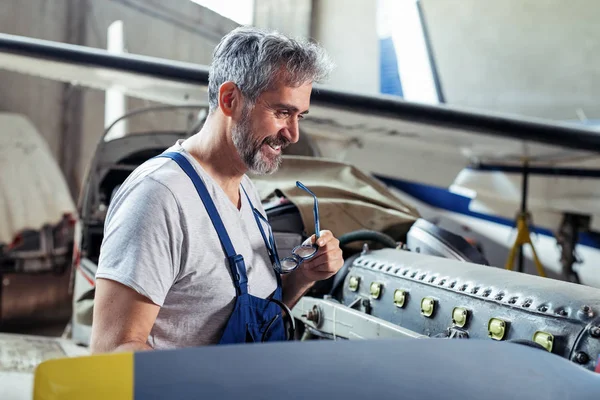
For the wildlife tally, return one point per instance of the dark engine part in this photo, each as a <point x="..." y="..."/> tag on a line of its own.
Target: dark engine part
<point x="285" y="218"/>
<point x="449" y="298"/>
<point x="288" y="231"/>
<point x="427" y="238"/>
<point x="567" y="238"/>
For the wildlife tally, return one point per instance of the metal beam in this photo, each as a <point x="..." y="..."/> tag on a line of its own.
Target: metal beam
<point x="72" y="114"/>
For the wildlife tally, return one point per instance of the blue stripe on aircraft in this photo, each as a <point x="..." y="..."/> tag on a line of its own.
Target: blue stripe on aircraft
<point x="388" y="68"/>
<point x="446" y="200"/>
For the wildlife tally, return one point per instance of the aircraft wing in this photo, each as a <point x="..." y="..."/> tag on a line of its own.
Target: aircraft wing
<point x="335" y="116"/>
<point x="165" y="81"/>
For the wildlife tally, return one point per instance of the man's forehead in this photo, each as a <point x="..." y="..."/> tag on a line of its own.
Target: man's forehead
<point x="297" y="96"/>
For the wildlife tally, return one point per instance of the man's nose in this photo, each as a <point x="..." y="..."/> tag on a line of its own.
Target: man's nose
<point x="292" y="131"/>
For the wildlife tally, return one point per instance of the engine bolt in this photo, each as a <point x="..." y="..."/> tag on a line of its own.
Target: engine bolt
<point x="581" y="358"/>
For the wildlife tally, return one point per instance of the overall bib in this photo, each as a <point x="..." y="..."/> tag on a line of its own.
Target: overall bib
<point x="254" y="319"/>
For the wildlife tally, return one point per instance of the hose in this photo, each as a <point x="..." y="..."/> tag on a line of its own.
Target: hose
<point x="366" y="234"/>
<point x="291" y="330"/>
<point x="340" y="276"/>
<point x="354" y="236"/>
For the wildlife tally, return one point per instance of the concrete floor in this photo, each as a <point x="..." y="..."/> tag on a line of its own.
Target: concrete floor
<point x="35" y="310"/>
<point x="21" y="354"/>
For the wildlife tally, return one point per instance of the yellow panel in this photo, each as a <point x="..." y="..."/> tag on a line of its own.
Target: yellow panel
<point x="102" y="376"/>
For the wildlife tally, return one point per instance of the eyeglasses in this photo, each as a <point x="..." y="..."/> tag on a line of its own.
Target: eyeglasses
<point x="299" y="253"/>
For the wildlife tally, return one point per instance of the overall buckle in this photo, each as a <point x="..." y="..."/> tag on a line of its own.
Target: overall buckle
<point x="238" y="270"/>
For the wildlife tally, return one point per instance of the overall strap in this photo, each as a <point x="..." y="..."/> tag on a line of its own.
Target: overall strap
<point x="236" y="261"/>
<point x="262" y="232"/>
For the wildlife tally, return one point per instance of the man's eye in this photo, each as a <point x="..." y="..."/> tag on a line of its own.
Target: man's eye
<point x="283" y="113"/>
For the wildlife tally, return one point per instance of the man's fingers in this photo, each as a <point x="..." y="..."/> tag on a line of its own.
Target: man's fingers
<point x="324" y="256"/>
<point x="330" y="265"/>
<point x="325" y="237"/>
<point x="329" y="257"/>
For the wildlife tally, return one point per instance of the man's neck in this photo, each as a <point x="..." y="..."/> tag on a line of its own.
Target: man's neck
<point x="218" y="157"/>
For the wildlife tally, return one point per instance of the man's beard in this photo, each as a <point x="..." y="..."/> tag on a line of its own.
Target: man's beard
<point x="251" y="153"/>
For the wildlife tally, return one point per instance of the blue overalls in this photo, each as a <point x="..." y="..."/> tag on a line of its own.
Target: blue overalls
<point x="253" y="319"/>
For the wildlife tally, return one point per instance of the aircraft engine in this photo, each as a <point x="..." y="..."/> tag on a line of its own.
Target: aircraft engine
<point x="433" y="297"/>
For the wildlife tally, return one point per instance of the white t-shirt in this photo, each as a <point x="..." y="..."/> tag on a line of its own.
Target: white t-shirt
<point x="160" y="241"/>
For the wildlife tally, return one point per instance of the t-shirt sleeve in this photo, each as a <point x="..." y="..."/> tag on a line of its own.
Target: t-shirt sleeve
<point x="143" y="239"/>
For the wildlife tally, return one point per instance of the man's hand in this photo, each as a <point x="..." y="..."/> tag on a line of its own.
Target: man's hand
<point x="326" y="263"/>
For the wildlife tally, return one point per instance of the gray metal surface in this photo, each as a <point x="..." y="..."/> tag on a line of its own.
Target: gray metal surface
<point x="362" y="369"/>
<point x="337" y="320"/>
<point x="527" y="304"/>
<point x="425" y="237"/>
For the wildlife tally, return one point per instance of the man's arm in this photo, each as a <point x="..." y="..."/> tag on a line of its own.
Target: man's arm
<point x="139" y="261"/>
<point x="123" y="318"/>
<point x="293" y="288"/>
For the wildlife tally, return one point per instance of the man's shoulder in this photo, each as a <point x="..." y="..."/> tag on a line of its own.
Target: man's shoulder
<point x="157" y="171"/>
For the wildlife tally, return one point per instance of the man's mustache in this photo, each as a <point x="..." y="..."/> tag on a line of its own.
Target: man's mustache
<point x="276" y="141"/>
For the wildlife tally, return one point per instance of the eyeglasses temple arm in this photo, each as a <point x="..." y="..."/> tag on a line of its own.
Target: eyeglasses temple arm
<point x="315" y="208"/>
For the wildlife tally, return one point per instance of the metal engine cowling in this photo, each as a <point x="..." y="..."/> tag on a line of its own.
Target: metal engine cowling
<point x="439" y="297"/>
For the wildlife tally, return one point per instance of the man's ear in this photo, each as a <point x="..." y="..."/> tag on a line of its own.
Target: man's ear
<point x="229" y="98"/>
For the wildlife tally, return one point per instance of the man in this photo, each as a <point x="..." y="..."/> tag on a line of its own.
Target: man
<point x="168" y="276"/>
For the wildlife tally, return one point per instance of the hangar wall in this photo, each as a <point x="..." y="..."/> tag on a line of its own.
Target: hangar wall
<point x="39" y="99"/>
<point x="346" y="28"/>
<point x="529" y="58"/>
<point x="536" y="58"/>
<point x="291" y="17"/>
<point x="71" y="120"/>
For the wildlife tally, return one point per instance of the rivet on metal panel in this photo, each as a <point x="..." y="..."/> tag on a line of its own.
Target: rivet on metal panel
<point x="581" y="357"/>
<point x="496" y="328"/>
<point x="354" y="282"/>
<point x="427" y="306"/>
<point x="365" y="249"/>
<point x="562" y="312"/>
<point x="544" y="339"/>
<point x="375" y="290"/>
<point x="586" y="312"/>
<point x="459" y="316"/>
<point x="399" y="298"/>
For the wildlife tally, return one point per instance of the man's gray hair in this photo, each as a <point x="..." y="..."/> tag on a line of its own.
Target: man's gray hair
<point x="255" y="60"/>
